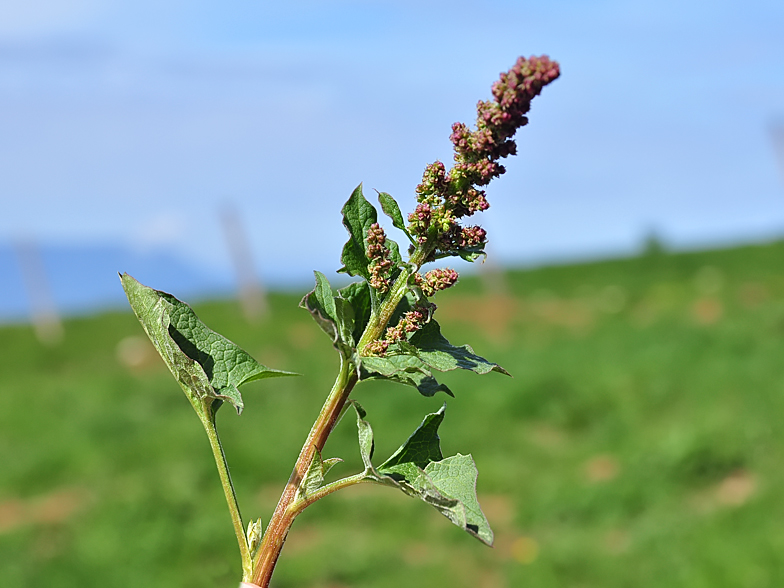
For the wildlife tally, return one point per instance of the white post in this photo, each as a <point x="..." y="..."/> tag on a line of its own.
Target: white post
<point x="251" y="293"/>
<point x="43" y="313"/>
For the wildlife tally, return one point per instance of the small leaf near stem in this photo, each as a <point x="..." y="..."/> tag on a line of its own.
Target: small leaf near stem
<point x="438" y="353"/>
<point x="334" y="314"/>
<point x="253" y="536"/>
<point x="314" y="477"/>
<point x="365" y="433"/>
<point x="390" y="207"/>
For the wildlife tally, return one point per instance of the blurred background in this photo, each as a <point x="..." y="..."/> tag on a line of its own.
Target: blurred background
<point x="634" y="288"/>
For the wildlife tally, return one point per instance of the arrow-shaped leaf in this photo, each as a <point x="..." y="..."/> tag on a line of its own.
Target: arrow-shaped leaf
<point x="435" y="351"/>
<point x="438" y="353"/>
<point x="403" y="368"/>
<point x="419" y="469"/>
<point x="358" y="215"/>
<point x="423" y="446"/>
<point x="455" y="477"/>
<point x="207" y="366"/>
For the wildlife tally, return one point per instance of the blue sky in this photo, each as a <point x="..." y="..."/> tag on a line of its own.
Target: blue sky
<point x="134" y="123"/>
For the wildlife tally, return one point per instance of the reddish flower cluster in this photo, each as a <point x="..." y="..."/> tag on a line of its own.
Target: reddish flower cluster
<point x="444" y="197"/>
<point x="409" y="323"/>
<point x="435" y="280"/>
<point x="378" y="347"/>
<point x="462" y="238"/>
<point x="380" y="265"/>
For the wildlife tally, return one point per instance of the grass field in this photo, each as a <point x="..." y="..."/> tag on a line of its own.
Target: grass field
<point x="638" y="444"/>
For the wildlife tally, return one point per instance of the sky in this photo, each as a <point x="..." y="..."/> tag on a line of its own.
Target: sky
<point x="135" y="124"/>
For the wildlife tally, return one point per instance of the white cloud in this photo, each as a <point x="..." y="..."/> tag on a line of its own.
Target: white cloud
<point x="165" y="228"/>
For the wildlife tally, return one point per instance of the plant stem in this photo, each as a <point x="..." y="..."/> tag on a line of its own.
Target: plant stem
<point x="208" y="420"/>
<point x="288" y="505"/>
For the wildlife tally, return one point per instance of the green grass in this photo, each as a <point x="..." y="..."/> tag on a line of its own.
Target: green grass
<point x="638" y="444"/>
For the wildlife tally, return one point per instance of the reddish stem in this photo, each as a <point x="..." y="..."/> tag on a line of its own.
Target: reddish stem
<point x="284" y="514"/>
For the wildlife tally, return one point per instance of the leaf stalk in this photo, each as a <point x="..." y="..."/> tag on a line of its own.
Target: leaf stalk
<point x="328" y="489"/>
<point x="207" y="416"/>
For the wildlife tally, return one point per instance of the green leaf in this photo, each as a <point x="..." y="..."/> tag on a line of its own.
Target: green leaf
<point x="253" y="536"/>
<point x="394" y="255"/>
<point x="423" y="446"/>
<point x="365" y="431"/>
<point x="440" y="354"/>
<point x="317" y="471"/>
<point x="320" y="303"/>
<point x="335" y="315"/>
<point x="403" y="368"/>
<point x="455" y="477"/>
<point x="207" y="366"/>
<point x="358" y="215"/>
<point x="330" y="463"/>
<point x="470" y="254"/>
<point x="419" y="469"/>
<point x="358" y="296"/>
<point x="434" y="350"/>
<point x="344" y="313"/>
<point x="392" y="210"/>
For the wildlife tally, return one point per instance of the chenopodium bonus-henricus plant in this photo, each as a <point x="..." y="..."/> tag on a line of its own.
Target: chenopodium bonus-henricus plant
<point x="383" y="327"/>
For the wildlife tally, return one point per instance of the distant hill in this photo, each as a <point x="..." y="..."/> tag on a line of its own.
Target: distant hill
<point x="82" y="279"/>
